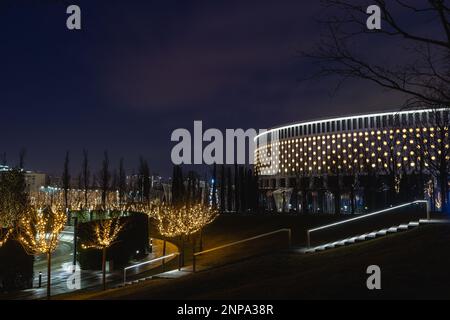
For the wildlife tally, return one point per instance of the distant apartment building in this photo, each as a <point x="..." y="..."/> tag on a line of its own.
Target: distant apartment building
<point x="33" y="180"/>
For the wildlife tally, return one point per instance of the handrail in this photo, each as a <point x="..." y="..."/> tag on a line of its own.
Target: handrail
<point x="308" y="232"/>
<point x="147" y="262"/>
<point x="241" y="241"/>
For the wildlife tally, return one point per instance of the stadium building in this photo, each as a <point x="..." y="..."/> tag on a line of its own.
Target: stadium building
<point x="354" y="164"/>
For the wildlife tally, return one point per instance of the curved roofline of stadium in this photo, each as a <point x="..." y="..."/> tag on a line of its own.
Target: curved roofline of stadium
<point x="336" y="118"/>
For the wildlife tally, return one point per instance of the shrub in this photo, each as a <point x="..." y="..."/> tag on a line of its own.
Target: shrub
<point x="16" y="267"/>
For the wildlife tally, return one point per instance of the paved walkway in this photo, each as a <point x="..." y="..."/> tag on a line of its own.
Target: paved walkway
<point x="174" y="274"/>
<point x="63" y="278"/>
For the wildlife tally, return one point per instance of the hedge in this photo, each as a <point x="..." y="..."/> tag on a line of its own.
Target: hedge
<point x="16" y="267"/>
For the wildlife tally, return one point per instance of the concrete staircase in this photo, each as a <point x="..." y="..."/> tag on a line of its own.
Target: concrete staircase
<point x="129" y="283"/>
<point x="172" y="274"/>
<point x="370" y="235"/>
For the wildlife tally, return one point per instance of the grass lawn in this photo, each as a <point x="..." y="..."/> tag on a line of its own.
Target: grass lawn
<point x="414" y="264"/>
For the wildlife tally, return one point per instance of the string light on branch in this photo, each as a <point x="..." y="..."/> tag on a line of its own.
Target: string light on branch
<point x="40" y="229"/>
<point x="184" y="220"/>
<point x="4" y="236"/>
<point x="147" y="208"/>
<point x="105" y="233"/>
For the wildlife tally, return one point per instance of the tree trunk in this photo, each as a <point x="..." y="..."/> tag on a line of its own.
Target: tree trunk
<point x="304" y="201"/>
<point x="104" y="268"/>
<point x="75" y="235"/>
<point x="433" y="195"/>
<point x="337" y="202"/>
<point x="337" y="195"/>
<point x="352" y="200"/>
<point x="49" y="274"/>
<point x="201" y="239"/>
<point x="148" y="236"/>
<point x="164" y="254"/>
<point x="182" y="251"/>
<point x="444" y="189"/>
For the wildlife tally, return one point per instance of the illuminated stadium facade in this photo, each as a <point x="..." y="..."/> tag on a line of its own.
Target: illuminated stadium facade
<point x="353" y="164"/>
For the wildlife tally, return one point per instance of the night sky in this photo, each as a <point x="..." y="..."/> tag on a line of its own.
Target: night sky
<point x="140" y="69"/>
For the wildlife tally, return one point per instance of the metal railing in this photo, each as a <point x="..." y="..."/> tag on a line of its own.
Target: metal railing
<point x="308" y="232"/>
<point x="163" y="258"/>
<point x="196" y="254"/>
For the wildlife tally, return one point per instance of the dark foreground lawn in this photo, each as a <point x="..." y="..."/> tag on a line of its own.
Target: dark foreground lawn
<point x="414" y="265"/>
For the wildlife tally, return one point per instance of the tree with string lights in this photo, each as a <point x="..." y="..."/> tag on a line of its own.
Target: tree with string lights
<point x="39" y="232"/>
<point x="182" y="221"/>
<point x="105" y="234"/>
<point x="13" y="201"/>
<point x="7" y="219"/>
<point x="5" y="234"/>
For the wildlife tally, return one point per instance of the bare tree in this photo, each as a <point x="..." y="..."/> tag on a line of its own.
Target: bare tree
<point x="144" y="179"/>
<point x="122" y="181"/>
<point x="222" y="188"/>
<point x="393" y="154"/>
<point x="336" y="171"/>
<point x="85" y="175"/>
<point x="66" y="181"/>
<point x="367" y="171"/>
<point x="433" y="149"/>
<point x="22" y="154"/>
<point x="424" y="71"/>
<point x="214" y="186"/>
<point x="105" y="176"/>
<point x="301" y="186"/>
